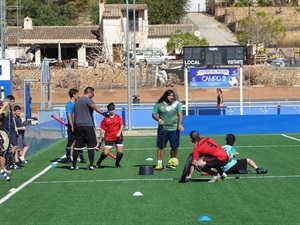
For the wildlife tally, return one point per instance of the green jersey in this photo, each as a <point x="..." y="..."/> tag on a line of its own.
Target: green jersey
<point x="168" y="113"/>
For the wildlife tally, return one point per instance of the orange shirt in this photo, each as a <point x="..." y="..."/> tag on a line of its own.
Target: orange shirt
<point x="208" y="147"/>
<point x="111" y="125"/>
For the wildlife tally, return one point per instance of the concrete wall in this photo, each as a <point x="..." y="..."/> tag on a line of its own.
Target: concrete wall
<point x="197" y="6"/>
<point x="158" y="43"/>
<point x="289" y="15"/>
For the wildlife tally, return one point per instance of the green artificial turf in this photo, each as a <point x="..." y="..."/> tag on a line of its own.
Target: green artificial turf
<point x="105" y="195"/>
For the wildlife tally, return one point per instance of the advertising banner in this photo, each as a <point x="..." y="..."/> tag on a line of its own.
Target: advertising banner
<point x="5" y="78"/>
<point x="213" y="77"/>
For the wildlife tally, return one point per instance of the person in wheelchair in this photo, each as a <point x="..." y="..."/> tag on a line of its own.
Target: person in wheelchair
<point x="10" y="126"/>
<point x="4" y="146"/>
<point x="238" y="166"/>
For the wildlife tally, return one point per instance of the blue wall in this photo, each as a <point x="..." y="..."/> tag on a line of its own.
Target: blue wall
<point x="246" y="124"/>
<point x="43" y="135"/>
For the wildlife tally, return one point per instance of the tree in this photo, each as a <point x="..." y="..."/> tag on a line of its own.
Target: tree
<point x="180" y="39"/>
<point x="46" y="12"/>
<point x="166" y="12"/>
<point x="253" y="30"/>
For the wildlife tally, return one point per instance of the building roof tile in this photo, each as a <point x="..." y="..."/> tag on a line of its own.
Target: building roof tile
<point x="115" y="10"/>
<point x="167" y="29"/>
<point x="52" y="33"/>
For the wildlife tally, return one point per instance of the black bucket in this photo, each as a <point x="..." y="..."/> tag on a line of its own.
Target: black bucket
<point x="146" y="170"/>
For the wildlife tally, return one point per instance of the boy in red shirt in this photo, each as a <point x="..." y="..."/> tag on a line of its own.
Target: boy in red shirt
<point x="111" y="130"/>
<point x="207" y="154"/>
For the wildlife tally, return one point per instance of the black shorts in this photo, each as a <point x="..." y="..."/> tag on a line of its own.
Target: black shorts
<point x="241" y="164"/>
<point x="85" y="136"/>
<point x="214" y="162"/>
<point x="117" y="142"/>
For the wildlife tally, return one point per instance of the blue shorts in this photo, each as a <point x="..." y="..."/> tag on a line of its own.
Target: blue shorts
<point x="165" y="136"/>
<point x="71" y="135"/>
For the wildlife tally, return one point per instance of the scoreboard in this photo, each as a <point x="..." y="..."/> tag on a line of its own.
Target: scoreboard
<point x="214" y="55"/>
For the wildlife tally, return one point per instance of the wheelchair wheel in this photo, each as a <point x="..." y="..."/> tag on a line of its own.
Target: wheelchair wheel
<point x="4" y="140"/>
<point x="186" y="169"/>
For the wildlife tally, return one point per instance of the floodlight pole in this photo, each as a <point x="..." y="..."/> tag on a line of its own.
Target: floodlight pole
<point x="128" y="68"/>
<point x="241" y="90"/>
<point x="3" y="28"/>
<point x="186" y="84"/>
<point x="134" y="50"/>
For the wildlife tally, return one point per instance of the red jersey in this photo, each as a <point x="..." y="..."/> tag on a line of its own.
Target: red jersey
<point x="208" y="147"/>
<point x="111" y="125"/>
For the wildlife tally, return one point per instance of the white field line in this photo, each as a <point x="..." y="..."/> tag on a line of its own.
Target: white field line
<point x="236" y="146"/>
<point x="296" y="139"/>
<point x="162" y="179"/>
<point x="5" y="198"/>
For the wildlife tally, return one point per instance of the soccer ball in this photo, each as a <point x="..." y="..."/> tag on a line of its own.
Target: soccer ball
<point x="173" y="162"/>
<point x="233" y="81"/>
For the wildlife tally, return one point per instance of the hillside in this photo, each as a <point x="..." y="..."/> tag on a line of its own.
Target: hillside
<point x="289" y="15"/>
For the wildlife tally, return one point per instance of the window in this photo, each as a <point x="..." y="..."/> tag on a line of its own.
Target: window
<point x="131" y="21"/>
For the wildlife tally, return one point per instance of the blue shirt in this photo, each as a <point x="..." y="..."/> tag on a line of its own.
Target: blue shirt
<point x="69" y="109"/>
<point x="230" y="150"/>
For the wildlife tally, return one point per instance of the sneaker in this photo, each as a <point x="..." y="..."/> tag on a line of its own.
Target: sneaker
<point x="118" y="166"/>
<point x="91" y="168"/>
<point x="159" y="167"/>
<point x="214" y="179"/>
<point x="5" y="176"/>
<point x="97" y="164"/>
<point x="223" y="176"/>
<point x="16" y="166"/>
<point x="23" y="160"/>
<point x="261" y="171"/>
<point x="74" y="168"/>
<point x="171" y="167"/>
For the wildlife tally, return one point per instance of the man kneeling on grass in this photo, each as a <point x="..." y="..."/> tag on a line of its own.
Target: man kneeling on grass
<point x="207" y="154"/>
<point x="238" y="166"/>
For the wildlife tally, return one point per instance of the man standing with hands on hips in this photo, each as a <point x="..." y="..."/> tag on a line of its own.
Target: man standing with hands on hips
<point x="167" y="111"/>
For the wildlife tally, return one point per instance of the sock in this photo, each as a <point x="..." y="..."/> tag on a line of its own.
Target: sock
<point x="91" y="154"/>
<point x="159" y="162"/>
<point x="119" y="157"/>
<point x="102" y="157"/>
<point x="68" y="154"/>
<point x="75" y="156"/>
